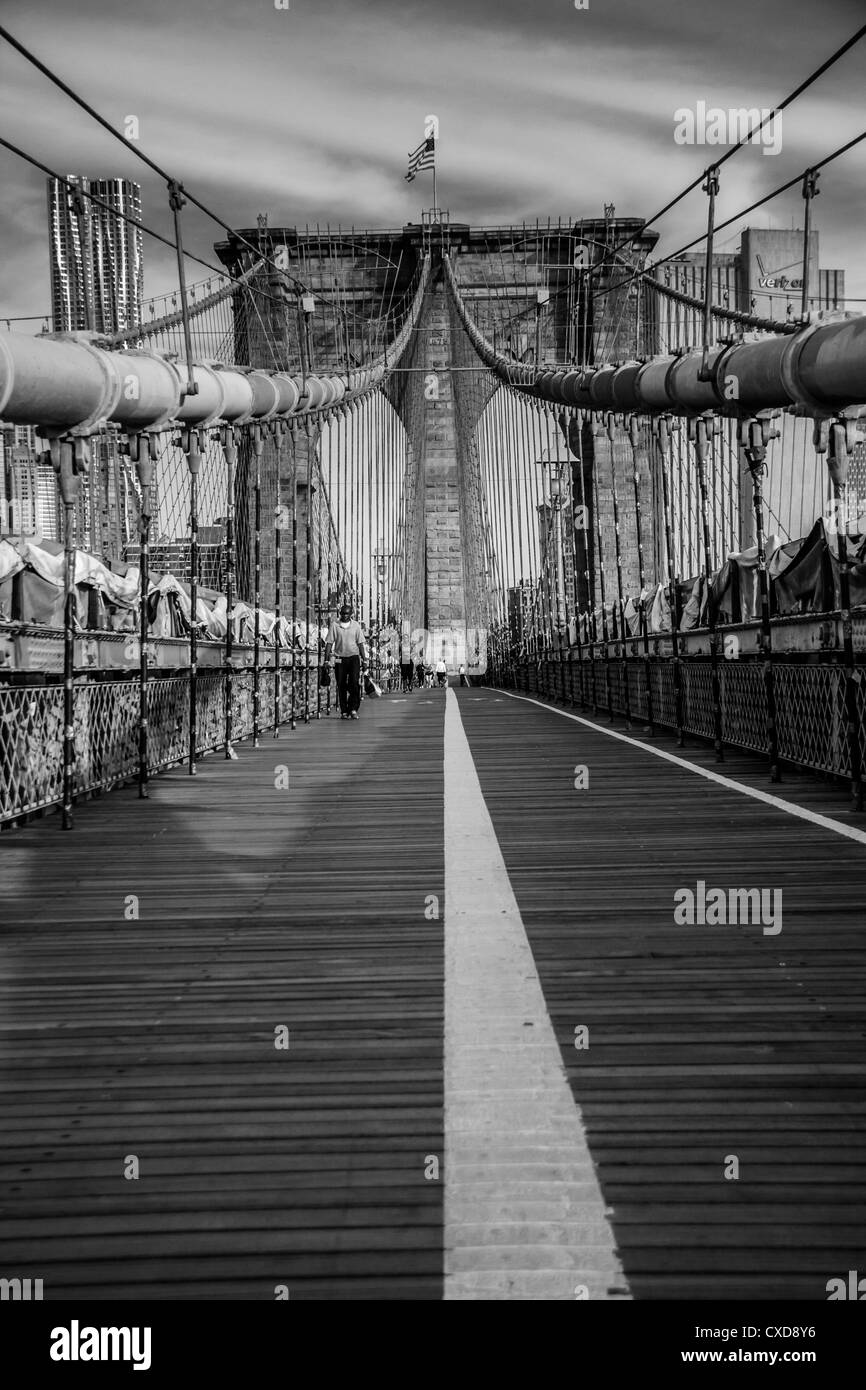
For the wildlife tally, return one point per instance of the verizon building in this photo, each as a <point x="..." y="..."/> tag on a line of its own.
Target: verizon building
<point x="96" y="258"/>
<point x="763" y="277"/>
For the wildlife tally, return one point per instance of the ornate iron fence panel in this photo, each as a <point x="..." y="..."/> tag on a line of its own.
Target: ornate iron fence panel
<point x="210" y="710"/>
<point x="744" y="705"/>
<point x="617" y="686"/>
<point x="663" y="693"/>
<point x="812" y="721"/>
<point x="697" y="698"/>
<point x="106" y="734"/>
<point x="811" y="716"/>
<point x="286" y="695"/>
<point x="601" y="692"/>
<point x="637" y="690"/>
<point x="167" y="721"/>
<point x="242" y="704"/>
<point x="31" y="748"/>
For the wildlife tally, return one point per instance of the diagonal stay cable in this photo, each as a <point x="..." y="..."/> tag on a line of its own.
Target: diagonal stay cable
<point x="744" y="212"/>
<point x="729" y="153"/>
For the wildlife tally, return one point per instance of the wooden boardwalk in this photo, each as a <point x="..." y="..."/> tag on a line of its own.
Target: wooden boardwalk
<point x="263" y="908"/>
<point x="705" y="1041"/>
<point x="259" y="908"/>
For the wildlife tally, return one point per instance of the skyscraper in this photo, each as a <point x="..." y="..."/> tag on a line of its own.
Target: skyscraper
<point x="96" y="258"/>
<point x="28" y="495"/>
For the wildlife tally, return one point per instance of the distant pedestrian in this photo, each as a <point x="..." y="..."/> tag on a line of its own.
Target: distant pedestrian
<point x="464" y="679"/>
<point x="407" y="675"/>
<point x="346" y="641"/>
<point x="442" y="672"/>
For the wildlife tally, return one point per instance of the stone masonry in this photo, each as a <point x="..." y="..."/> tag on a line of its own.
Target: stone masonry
<point x="445" y="580"/>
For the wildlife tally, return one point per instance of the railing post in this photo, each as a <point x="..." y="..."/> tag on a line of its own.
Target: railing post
<point x="575" y="594"/>
<point x="280" y="434"/>
<point x="258" y="450"/>
<point x="581" y="659"/>
<point x="228" y="439"/>
<point x="617" y="540"/>
<point x="308" y="581"/>
<point x="602" y="594"/>
<point x="634" y="438"/>
<point x="661" y="430"/>
<point x="837" y="438"/>
<point x="70" y="457"/>
<point x="189" y="442"/>
<point x="143" y="453"/>
<point x="293" y="677"/>
<point x="700" y="432"/>
<point x="580" y="418"/>
<point x="593" y="644"/>
<point x="755" y="434"/>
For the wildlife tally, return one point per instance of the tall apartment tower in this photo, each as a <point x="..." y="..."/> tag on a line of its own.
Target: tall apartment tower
<point x="28" y="495"/>
<point x="96" y="256"/>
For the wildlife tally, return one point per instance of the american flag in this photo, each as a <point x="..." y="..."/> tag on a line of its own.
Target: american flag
<point x="422" y="158"/>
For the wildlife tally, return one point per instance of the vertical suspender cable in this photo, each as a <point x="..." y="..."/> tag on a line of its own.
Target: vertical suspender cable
<point x="310" y="453"/>
<point x="228" y="438"/>
<point x="258" y="448"/>
<point x="295" y="643"/>
<point x="143" y="452"/>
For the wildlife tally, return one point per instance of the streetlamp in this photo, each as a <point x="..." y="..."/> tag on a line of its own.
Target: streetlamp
<point x="556" y="498"/>
<point x="381" y="557"/>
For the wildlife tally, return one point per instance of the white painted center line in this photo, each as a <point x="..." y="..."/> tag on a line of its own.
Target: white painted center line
<point x="524" y="1214"/>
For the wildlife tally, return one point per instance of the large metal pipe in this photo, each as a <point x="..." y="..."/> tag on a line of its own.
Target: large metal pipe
<point x="828" y="362"/>
<point x="820" y="369"/>
<point x="52" y="382"/>
<point x="68" y="383"/>
<point x="753" y="380"/>
<point x="65" y="383"/>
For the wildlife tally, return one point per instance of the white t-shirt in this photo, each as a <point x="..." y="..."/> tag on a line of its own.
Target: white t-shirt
<point x="347" y="638"/>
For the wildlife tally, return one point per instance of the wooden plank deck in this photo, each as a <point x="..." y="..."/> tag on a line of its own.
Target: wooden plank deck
<point x="305" y="907"/>
<point x="258" y="908"/>
<point x="705" y="1041"/>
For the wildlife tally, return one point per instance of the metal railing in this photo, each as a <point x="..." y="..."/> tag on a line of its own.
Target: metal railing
<point x="106" y="725"/>
<point x="813" y="715"/>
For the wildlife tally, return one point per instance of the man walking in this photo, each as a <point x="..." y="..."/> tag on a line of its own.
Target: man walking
<point x="346" y="641"/>
<point x="441" y="672"/>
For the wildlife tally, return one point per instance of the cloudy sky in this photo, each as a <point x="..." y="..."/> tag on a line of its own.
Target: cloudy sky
<point x="308" y="113"/>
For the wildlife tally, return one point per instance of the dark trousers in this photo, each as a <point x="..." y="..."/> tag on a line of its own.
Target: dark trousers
<point x="349" y="683"/>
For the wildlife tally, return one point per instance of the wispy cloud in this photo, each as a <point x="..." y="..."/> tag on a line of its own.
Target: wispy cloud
<point x="308" y="113"/>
